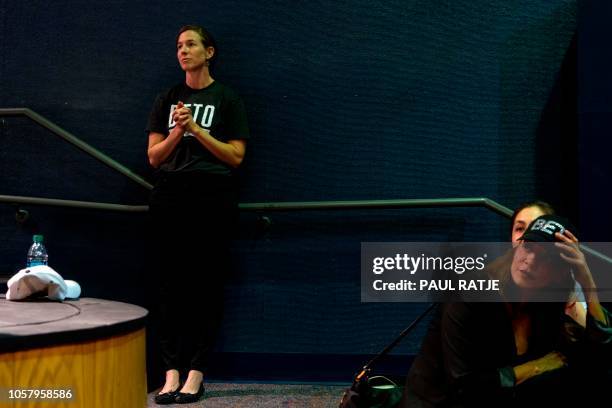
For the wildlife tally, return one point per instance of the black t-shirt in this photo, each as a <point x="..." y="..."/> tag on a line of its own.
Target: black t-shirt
<point x="216" y="108"/>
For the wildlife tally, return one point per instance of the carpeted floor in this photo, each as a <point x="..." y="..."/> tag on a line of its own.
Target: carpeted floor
<point x="224" y="395"/>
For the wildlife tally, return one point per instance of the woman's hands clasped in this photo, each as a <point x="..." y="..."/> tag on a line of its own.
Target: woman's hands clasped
<point x="183" y="118"/>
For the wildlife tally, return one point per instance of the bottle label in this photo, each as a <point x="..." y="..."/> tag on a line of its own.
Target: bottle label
<point x="36" y="263"/>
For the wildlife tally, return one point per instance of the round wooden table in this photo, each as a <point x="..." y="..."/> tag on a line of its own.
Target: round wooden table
<point x="86" y="353"/>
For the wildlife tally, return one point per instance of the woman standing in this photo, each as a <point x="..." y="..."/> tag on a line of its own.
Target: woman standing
<point x="197" y="137"/>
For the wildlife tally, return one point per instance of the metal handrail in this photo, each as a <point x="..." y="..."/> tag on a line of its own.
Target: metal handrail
<point x="301" y="206"/>
<point x="282" y="206"/>
<point x="278" y="206"/>
<point x="70" y="138"/>
<point x="379" y="204"/>
<point x="90" y="205"/>
<point x="285" y="206"/>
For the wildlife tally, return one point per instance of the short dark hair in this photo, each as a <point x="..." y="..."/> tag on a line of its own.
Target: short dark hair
<point x="205" y="36"/>
<point x="546" y="208"/>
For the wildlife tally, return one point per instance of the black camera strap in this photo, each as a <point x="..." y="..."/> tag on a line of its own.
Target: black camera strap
<point x="395" y="342"/>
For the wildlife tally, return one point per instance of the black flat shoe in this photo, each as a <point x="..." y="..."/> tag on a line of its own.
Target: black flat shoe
<point x="186" y="398"/>
<point x="167" y="397"/>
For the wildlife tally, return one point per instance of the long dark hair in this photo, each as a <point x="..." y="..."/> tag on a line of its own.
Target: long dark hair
<point x="546" y="209"/>
<point x="547" y="317"/>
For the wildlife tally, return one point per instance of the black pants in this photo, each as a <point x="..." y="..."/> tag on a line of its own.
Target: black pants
<point x="192" y="220"/>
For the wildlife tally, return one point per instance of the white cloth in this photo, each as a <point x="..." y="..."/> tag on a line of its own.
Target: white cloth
<point x="41" y="278"/>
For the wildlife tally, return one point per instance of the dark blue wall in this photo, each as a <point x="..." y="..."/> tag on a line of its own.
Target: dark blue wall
<point x="349" y="100"/>
<point x="595" y="118"/>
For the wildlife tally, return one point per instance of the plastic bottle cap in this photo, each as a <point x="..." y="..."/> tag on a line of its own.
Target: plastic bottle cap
<point x="38" y="238"/>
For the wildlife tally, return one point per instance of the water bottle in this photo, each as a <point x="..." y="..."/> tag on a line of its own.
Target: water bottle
<point x="37" y="254"/>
